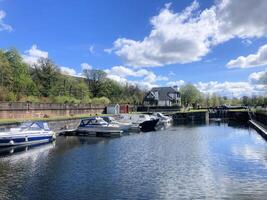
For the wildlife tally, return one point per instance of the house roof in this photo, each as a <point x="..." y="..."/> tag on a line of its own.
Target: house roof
<point x="163" y="92"/>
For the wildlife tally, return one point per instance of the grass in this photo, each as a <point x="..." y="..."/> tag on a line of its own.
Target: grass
<point x="54" y="118"/>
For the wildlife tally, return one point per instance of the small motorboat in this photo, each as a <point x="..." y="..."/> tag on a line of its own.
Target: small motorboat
<point x="145" y="122"/>
<point x="162" y="118"/>
<point x="97" y="126"/>
<point x="124" y="125"/>
<point x="27" y="133"/>
<point x="149" y="125"/>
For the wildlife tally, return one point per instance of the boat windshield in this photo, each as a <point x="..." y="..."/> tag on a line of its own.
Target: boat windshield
<point x="160" y="115"/>
<point x="108" y="119"/>
<point x="93" y="121"/>
<point x="25" y="125"/>
<point x="34" y="126"/>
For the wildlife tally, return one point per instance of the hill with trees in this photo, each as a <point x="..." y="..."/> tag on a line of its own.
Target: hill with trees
<point x="44" y="82"/>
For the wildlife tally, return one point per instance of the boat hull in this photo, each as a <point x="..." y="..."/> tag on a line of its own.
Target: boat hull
<point x="25" y="140"/>
<point x="149" y="125"/>
<point x="104" y="131"/>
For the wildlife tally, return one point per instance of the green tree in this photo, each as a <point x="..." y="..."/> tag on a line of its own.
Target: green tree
<point x="189" y="95"/>
<point x="46" y="76"/>
<point x="95" y="79"/>
<point x="5" y="71"/>
<point x="21" y="83"/>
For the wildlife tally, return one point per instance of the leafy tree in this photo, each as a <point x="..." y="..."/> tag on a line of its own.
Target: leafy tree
<point x="95" y="79"/>
<point x="46" y="76"/>
<point x="189" y="94"/>
<point x="21" y="80"/>
<point x="5" y="71"/>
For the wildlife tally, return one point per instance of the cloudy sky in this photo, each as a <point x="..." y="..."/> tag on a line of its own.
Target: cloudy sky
<point x="220" y="46"/>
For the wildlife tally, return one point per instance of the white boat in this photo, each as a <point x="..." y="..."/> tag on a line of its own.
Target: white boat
<point x="144" y="122"/>
<point x="26" y="134"/>
<point x="162" y="118"/>
<point x="134" y="118"/>
<point x="97" y="126"/>
<point x="124" y="126"/>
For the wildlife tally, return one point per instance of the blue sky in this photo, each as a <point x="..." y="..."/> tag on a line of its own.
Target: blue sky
<point x="150" y="43"/>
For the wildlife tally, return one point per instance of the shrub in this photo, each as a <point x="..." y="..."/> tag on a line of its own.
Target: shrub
<point x="86" y="100"/>
<point x="101" y="100"/>
<point x="11" y="96"/>
<point x="65" y="99"/>
<point x="32" y="99"/>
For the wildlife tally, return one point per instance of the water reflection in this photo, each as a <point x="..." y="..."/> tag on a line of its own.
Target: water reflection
<point x="214" y="161"/>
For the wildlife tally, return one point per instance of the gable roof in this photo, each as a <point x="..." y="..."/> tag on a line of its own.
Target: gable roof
<point x="163" y="92"/>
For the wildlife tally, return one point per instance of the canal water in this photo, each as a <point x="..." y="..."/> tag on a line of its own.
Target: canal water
<point x="215" y="161"/>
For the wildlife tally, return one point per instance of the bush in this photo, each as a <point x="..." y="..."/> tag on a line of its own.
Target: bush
<point x="86" y="100"/>
<point x="101" y="100"/>
<point x="32" y="99"/>
<point x="65" y="99"/>
<point x="3" y="92"/>
<point x="11" y="96"/>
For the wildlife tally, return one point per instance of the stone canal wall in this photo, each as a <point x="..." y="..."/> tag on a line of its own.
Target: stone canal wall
<point x="186" y="117"/>
<point x="261" y="117"/>
<point x="19" y="110"/>
<point x="204" y="116"/>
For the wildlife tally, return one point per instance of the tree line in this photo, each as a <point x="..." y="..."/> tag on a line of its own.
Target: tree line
<point x="44" y="82"/>
<point x="192" y="97"/>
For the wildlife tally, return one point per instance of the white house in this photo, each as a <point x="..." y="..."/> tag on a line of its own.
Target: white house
<point x="163" y="96"/>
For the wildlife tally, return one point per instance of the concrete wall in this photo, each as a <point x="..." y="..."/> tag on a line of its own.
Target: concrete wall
<point x="157" y="108"/>
<point x="262" y="117"/>
<point x="188" y="117"/>
<point x="34" y="110"/>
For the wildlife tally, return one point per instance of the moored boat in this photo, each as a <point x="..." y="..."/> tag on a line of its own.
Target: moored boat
<point x="96" y="126"/>
<point x="144" y="122"/>
<point x="162" y="118"/>
<point x="149" y="125"/>
<point x="125" y="126"/>
<point x="27" y="133"/>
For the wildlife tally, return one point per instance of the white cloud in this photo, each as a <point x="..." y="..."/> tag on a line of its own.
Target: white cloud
<point x="236" y="89"/>
<point x="178" y="83"/>
<point x="247" y="42"/>
<point x="258" y="77"/>
<point x="175" y="38"/>
<point x="108" y="50"/>
<point x="86" y="66"/>
<point x="189" y="35"/>
<point x="32" y="55"/>
<point x="3" y="26"/>
<point x="124" y="72"/>
<point x="92" y="49"/>
<point x="68" y="71"/>
<point x="252" y="60"/>
<point x="246" y="19"/>
<point x="143" y="78"/>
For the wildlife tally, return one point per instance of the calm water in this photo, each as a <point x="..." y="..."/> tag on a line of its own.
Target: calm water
<point x="185" y="162"/>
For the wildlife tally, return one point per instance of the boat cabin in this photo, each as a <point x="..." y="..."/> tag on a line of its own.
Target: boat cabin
<point x="92" y="121"/>
<point x="34" y="126"/>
